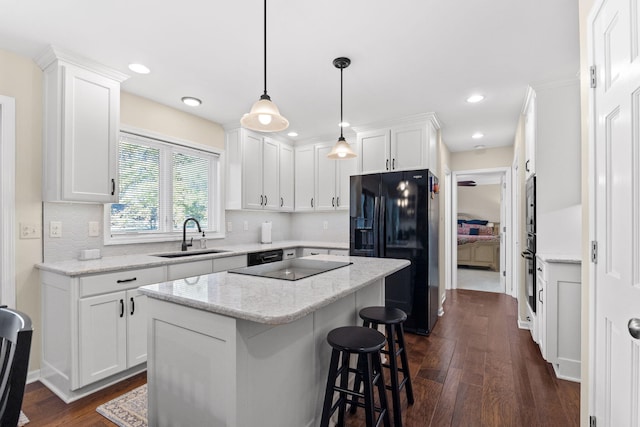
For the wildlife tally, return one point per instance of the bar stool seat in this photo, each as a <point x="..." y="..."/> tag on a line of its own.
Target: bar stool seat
<point x="392" y="319"/>
<point x="367" y="344"/>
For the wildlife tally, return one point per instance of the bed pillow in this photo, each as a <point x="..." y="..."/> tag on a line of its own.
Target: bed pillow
<point x="474" y="232"/>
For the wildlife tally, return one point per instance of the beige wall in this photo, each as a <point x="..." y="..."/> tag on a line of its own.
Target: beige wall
<point x="584" y="9"/>
<point x="482" y="159"/>
<point x="20" y="78"/>
<point x="143" y="113"/>
<point x="481" y="202"/>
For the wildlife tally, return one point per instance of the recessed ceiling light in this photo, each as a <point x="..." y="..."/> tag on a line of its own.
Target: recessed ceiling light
<point x="293" y="134"/>
<point x="477" y="135"/>
<point x="475" y="98"/>
<point x="479" y="147"/>
<point x="191" y="101"/>
<point x="344" y="124"/>
<point x="139" y="68"/>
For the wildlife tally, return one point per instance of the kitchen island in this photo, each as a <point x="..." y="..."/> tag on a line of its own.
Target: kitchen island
<point x="227" y="349"/>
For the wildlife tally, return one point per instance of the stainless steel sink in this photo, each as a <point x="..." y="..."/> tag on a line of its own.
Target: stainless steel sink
<point x="190" y="253"/>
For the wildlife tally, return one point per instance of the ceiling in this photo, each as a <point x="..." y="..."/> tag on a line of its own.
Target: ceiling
<point x="408" y="56"/>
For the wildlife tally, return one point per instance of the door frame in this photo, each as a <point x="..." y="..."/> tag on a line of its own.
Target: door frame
<point x="8" y="200"/>
<point x="510" y="280"/>
<point x="448" y="227"/>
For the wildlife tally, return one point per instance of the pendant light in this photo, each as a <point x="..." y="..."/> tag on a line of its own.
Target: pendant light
<point x="264" y="115"/>
<point x="342" y="149"/>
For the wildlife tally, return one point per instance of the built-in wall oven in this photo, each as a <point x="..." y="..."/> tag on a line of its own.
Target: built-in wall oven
<point x="529" y="254"/>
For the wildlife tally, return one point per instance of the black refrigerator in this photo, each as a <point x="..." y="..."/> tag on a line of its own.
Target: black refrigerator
<point x="395" y="215"/>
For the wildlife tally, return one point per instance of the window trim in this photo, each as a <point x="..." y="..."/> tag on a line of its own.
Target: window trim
<point x="217" y="215"/>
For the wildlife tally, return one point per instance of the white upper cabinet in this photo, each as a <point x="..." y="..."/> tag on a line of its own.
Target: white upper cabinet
<point x="411" y="144"/>
<point x="344" y="169"/>
<point x="254" y="174"/>
<point x="530" y="134"/>
<point x="325" y="179"/>
<point x="81" y="120"/>
<point x="304" y="178"/>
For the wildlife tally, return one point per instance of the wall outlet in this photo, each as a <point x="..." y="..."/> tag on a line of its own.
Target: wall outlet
<point x="94" y="229"/>
<point x="229" y="227"/>
<point x="55" y="229"/>
<point x="246" y="226"/>
<point x="325" y="225"/>
<point x="29" y="230"/>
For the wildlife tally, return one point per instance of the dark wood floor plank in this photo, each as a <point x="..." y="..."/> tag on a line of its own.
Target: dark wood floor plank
<point x="477" y="368"/>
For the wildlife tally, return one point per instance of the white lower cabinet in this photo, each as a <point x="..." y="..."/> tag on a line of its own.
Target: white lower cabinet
<point x="558" y="316"/>
<point x="112" y="331"/>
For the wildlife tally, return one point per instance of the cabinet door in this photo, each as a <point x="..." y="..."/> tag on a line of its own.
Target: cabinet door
<point x="252" y="195"/>
<point x="90" y="136"/>
<point x="103" y="336"/>
<point x="345" y="168"/>
<point x="270" y="174"/>
<point x="325" y="179"/>
<point x="408" y="147"/>
<point x="136" y="328"/>
<point x="304" y="187"/>
<point x="286" y="178"/>
<point x="530" y="136"/>
<point x="541" y="310"/>
<point x="375" y="151"/>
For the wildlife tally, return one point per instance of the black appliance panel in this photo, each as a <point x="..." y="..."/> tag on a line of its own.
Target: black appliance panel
<point x="530" y="200"/>
<point x="364" y="210"/>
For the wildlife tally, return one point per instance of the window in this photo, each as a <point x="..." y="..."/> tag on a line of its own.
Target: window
<point x="160" y="185"/>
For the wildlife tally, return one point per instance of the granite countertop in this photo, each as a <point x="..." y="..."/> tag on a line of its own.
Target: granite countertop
<point x="273" y="301"/>
<point x="76" y="267"/>
<point x="559" y="258"/>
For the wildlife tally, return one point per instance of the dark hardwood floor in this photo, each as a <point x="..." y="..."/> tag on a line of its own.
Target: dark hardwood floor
<point x="476" y="369"/>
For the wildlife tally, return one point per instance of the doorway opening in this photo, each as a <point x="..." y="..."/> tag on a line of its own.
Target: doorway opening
<point x="7" y="200"/>
<point x="481" y="231"/>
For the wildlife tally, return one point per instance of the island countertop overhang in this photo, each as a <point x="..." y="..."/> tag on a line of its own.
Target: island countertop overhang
<point x="273" y="301"/>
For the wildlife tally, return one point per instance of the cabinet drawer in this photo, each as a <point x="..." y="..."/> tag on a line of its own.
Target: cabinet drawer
<point x="189" y="269"/>
<point x="289" y="253"/>
<point x="121" y="280"/>
<point x="228" y="263"/>
<point x="339" y="252"/>
<point x="314" y="251"/>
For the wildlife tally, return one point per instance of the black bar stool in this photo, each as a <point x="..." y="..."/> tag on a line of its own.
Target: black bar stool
<point x="392" y="319"/>
<point x="366" y="343"/>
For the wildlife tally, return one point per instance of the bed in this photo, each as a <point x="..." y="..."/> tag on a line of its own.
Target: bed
<point x="478" y="243"/>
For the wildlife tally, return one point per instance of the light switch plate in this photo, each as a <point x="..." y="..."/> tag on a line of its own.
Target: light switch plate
<point x="325" y="225"/>
<point x="29" y="230"/>
<point x="55" y="229"/>
<point x="94" y="229"/>
<point x="246" y="226"/>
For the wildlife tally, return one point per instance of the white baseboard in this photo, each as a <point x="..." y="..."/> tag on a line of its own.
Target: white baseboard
<point x="441" y="309"/>
<point x="33" y="376"/>
<point x="524" y="324"/>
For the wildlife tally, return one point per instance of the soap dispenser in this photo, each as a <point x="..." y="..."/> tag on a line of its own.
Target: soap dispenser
<point x="203" y="242"/>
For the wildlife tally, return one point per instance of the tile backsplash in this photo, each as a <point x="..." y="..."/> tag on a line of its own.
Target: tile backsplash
<point x="75" y="218"/>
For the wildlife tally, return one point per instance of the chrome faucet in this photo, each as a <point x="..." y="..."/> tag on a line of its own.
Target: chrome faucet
<point x="184" y="233"/>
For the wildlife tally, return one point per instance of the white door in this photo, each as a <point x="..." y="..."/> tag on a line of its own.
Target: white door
<point x="503" y="236"/>
<point x="408" y="147"/>
<point x="325" y="179"/>
<point x="270" y="174"/>
<point x="136" y="328"/>
<point x="253" y="197"/>
<point x="617" y="212"/>
<point x="103" y="336"/>
<point x="304" y="167"/>
<point x="286" y="177"/>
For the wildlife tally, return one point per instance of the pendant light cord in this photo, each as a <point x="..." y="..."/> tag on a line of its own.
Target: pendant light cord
<point x="341" y="121"/>
<point x="265" y="47"/>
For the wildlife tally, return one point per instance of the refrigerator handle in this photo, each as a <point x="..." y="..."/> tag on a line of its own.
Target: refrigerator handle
<point x="381" y="230"/>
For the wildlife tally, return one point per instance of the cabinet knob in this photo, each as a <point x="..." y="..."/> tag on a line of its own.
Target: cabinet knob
<point x="634" y="328"/>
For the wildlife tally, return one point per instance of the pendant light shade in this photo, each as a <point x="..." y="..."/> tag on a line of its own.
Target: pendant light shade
<point x="264" y="115"/>
<point x="342" y="149"/>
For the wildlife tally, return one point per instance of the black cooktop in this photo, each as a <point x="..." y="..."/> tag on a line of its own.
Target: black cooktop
<point x="291" y="269"/>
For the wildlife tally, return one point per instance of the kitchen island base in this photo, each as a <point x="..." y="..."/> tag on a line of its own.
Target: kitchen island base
<point x="208" y="369"/>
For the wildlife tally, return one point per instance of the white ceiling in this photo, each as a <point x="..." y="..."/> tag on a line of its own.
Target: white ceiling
<point x="408" y="56"/>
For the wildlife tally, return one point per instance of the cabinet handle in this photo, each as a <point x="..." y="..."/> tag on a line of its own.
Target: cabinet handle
<point x="113" y="187"/>
<point x="333" y="202"/>
<point x="261" y="200"/>
<point x="265" y="200"/>
<point x="121" y="308"/>
<point x="539" y="269"/>
<point x="393" y="164"/>
<point x="281" y="202"/>
<point x="133" y="279"/>
<point x="133" y="306"/>
<point x="312" y="202"/>
<point x="540" y="296"/>
<point x="526" y="166"/>
<point x="338" y="201"/>
<point x="387" y="164"/>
